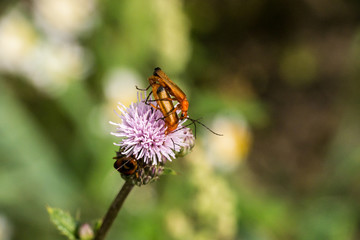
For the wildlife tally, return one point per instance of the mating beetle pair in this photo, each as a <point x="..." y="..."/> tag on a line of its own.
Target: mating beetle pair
<point x="165" y="92"/>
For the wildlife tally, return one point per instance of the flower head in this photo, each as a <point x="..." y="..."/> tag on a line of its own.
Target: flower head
<point x="142" y="133"/>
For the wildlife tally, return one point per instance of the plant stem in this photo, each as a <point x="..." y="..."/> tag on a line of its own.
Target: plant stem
<point x="113" y="210"/>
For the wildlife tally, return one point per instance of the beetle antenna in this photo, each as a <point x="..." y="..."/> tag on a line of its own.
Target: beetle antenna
<point x="196" y="120"/>
<point x="142" y="89"/>
<point x="147" y="99"/>
<point x="187" y="126"/>
<point x="194" y="129"/>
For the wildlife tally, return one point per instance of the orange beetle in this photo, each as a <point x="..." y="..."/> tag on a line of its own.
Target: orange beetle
<point x="172" y="89"/>
<point x="166" y="106"/>
<point x="165" y="92"/>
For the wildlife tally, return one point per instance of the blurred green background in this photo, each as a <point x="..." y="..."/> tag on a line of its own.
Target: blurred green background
<point x="278" y="78"/>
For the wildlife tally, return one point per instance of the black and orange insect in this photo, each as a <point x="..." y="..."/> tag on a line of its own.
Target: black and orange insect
<point x="165" y="92"/>
<point x="125" y="165"/>
<point x="172" y="89"/>
<point x="166" y="107"/>
<point x="174" y="92"/>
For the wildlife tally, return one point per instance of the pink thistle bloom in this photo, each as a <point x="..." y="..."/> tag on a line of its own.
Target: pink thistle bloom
<point x="142" y="133"/>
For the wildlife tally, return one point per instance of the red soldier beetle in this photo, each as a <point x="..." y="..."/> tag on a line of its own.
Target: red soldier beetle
<point x="165" y="91"/>
<point x="166" y="106"/>
<point x="159" y="77"/>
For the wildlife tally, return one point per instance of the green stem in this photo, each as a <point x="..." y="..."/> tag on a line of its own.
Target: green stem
<point x="113" y="210"/>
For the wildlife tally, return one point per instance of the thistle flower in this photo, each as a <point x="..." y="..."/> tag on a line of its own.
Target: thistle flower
<point x="144" y="146"/>
<point x="143" y="138"/>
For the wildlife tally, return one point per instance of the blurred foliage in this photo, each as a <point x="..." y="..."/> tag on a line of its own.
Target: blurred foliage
<point x="280" y="77"/>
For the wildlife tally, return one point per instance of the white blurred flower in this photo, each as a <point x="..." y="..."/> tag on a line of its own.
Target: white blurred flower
<point x="18" y="39"/>
<point x="47" y="64"/>
<point x="5" y="228"/>
<point x="179" y="225"/>
<point x="213" y="211"/>
<point x="53" y="65"/>
<point x="213" y="202"/>
<point x="65" y="17"/>
<point x="120" y="85"/>
<point x="228" y="151"/>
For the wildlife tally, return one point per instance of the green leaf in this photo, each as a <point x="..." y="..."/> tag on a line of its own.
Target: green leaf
<point x="169" y="171"/>
<point x="97" y="225"/>
<point x="64" y="222"/>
